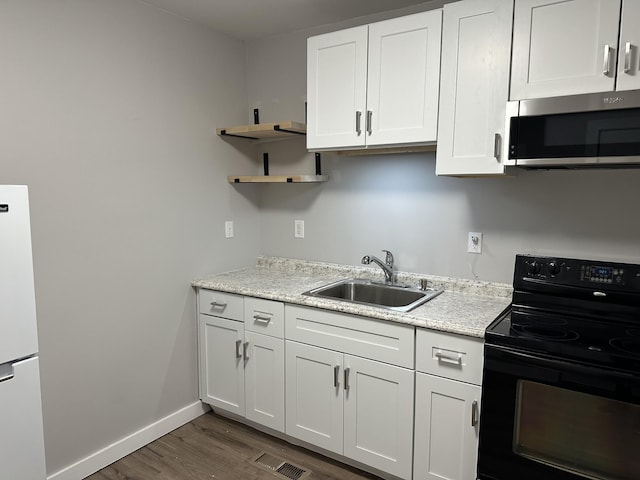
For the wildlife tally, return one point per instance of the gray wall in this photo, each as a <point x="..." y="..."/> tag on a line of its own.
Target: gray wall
<point x="396" y="202"/>
<point x="108" y="112"/>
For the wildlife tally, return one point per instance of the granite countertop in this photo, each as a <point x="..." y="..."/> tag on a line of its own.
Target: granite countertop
<point x="465" y="307"/>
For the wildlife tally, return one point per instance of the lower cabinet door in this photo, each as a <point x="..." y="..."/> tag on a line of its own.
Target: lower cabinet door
<point x="314" y="402"/>
<point x="222" y="363"/>
<point x="446" y="429"/>
<point x="378" y="415"/>
<point x="264" y="380"/>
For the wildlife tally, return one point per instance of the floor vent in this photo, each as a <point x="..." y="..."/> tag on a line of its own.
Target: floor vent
<point x="280" y="468"/>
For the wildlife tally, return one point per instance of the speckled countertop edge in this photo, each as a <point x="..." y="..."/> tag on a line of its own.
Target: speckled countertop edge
<point x="465" y="307"/>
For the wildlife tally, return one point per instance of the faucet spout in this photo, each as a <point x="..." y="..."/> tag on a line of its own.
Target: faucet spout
<point x="386" y="266"/>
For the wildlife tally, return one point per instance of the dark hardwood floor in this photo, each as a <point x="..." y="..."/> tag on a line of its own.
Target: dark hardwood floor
<point x="214" y="447"/>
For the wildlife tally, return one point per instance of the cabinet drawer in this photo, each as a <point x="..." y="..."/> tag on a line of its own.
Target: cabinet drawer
<point x="221" y="304"/>
<point x="376" y="339"/>
<point x="449" y="355"/>
<point x="264" y="316"/>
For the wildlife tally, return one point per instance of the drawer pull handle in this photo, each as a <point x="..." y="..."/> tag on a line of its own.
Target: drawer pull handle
<point x="474" y="413"/>
<point x="455" y="360"/>
<point x="369" y="121"/>
<point x="336" y="373"/>
<point x="261" y="318"/>
<point x="215" y="304"/>
<point x="346" y="378"/>
<point x="238" y="343"/>
<point x="358" y="121"/>
<point x="245" y="350"/>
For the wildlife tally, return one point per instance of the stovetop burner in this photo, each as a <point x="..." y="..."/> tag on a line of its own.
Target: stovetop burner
<point x="627" y="345"/>
<point x="546" y="332"/>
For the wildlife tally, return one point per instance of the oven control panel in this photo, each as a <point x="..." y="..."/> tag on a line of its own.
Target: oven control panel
<point x="569" y="272"/>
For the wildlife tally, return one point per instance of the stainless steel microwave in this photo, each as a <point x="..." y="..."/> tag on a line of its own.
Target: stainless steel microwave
<point x="578" y="131"/>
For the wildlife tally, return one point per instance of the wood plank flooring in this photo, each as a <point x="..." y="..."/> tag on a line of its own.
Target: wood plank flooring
<point x="214" y="447"/>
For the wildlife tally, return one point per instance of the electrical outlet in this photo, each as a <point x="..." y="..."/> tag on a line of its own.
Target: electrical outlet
<point x="474" y="244"/>
<point x="298" y="228"/>
<point x="228" y="229"/>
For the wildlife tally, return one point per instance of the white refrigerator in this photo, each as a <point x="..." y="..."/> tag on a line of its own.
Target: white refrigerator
<point x="21" y="434"/>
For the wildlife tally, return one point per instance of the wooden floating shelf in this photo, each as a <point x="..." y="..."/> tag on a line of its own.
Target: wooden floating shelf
<point x="277" y="178"/>
<point x="265" y="130"/>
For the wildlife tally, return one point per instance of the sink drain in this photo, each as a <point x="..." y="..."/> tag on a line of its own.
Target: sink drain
<point x="279" y="467"/>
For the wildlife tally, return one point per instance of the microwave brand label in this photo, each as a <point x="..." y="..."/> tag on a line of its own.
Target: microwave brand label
<point x="612" y="100"/>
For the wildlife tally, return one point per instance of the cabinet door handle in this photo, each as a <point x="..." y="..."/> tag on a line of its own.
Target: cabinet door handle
<point x="215" y="304"/>
<point x="443" y="357"/>
<point x="497" y="143"/>
<point x="245" y="350"/>
<point x="346" y="378"/>
<point x="369" y="121"/>
<point x="627" y="57"/>
<point x="261" y="318"/>
<point x="606" y="60"/>
<point x="358" y="122"/>
<point x="238" y="343"/>
<point x="474" y="413"/>
<point x="336" y="373"/>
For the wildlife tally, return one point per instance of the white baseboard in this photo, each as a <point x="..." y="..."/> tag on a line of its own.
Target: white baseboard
<point x="129" y="444"/>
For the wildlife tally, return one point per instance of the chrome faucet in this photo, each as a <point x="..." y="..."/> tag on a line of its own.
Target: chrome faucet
<point x="386" y="266"/>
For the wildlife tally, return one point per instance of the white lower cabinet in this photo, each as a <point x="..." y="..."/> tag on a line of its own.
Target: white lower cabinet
<point x="352" y="406"/>
<point x="446" y="442"/>
<point x="345" y="383"/>
<point x="447" y="406"/>
<point x="242" y="371"/>
<point x="222" y="363"/>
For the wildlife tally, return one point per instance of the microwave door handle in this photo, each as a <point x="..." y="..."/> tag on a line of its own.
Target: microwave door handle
<point x="606" y="60"/>
<point x="627" y="57"/>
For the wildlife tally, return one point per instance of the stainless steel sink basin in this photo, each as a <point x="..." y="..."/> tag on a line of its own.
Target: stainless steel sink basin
<point x="393" y="297"/>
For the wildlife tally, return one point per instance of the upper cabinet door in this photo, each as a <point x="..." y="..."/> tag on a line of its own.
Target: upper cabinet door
<point x="564" y="47"/>
<point x="337" y="89"/>
<point x="476" y="47"/>
<point x="629" y="51"/>
<point x="403" y="80"/>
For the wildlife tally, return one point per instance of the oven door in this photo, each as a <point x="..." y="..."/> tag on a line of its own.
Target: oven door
<point x="545" y="418"/>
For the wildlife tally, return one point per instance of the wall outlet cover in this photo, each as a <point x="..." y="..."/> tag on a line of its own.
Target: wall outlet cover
<point x="298" y="228"/>
<point x="474" y="243"/>
<point x="228" y="229"/>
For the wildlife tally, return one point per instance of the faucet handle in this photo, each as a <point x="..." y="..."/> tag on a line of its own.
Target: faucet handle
<point x="389" y="258"/>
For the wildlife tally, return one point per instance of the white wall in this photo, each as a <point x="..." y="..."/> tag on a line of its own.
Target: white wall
<point x="396" y="202"/>
<point x="108" y="110"/>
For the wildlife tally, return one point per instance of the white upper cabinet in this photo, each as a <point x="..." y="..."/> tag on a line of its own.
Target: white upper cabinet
<point x="566" y="47"/>
<point x="374" y="85"/>
<point x="629" y="50"/>
<point x="336" y="88"/>
<point x="476" y="47"/>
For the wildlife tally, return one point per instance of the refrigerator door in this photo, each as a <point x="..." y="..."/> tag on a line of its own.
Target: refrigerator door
<point x="18" y="336"/>
<point x="21" y="439"/>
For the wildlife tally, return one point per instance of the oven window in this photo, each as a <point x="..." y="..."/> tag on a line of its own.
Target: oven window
<point x="588" y="435"/>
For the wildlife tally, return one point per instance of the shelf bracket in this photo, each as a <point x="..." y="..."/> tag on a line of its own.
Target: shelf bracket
<point x="256" y="116"/>
<point x="278" y="129"/>
<point x="224" y="132"/>
<point x="265" y="163"/>
<point x="318" y="164"/>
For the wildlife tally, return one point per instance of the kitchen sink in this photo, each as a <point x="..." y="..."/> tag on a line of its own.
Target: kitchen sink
<point x="393" y="297"/>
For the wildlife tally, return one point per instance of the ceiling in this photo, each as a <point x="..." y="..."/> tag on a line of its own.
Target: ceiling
<point x="254" y="19"/>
